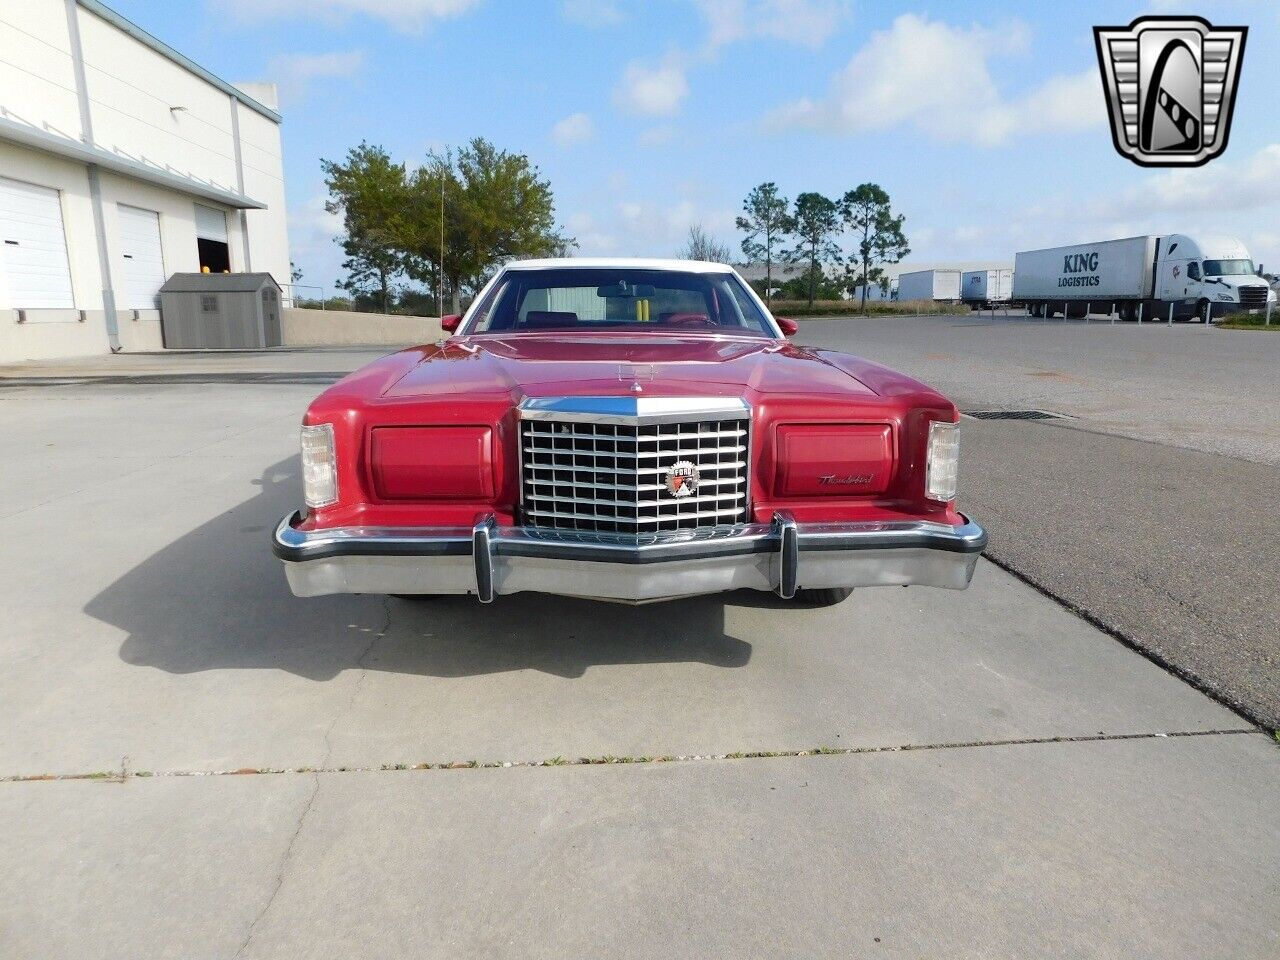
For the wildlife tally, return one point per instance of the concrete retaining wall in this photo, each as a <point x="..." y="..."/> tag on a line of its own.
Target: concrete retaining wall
<point x="342" y="328"/>
<point x="52" y="334"/>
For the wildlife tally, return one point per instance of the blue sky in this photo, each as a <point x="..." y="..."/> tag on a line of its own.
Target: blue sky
<point x="984" y="121"/>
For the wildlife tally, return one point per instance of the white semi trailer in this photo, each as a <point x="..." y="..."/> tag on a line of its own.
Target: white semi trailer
<point x="941" y="285"/>
<point x="1141" y="278"/>
<point x="986" y="288"/>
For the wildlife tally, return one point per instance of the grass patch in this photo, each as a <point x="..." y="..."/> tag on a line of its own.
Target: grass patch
<point x="1250" y="321"/>
<point x="851" y="308"/>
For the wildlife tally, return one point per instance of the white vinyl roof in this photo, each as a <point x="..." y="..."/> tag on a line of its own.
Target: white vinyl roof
<point x="633" y="263"/>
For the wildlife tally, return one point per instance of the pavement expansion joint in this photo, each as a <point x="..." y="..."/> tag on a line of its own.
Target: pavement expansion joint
<point x="121" y="776"/>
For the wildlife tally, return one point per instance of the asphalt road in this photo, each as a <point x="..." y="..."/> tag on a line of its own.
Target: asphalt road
<point x="1183" y="385"/>
<point x="1132" y="509"/>
<point x="238" y="772"/>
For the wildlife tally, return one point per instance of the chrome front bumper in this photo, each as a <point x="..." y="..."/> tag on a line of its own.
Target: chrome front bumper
<point x="487" y="560"/>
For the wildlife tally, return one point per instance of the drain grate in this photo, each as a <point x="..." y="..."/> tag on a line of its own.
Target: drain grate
<point x="1012" y="415"/>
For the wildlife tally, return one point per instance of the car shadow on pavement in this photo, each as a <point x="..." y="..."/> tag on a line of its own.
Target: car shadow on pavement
<point x="216" y="599"/>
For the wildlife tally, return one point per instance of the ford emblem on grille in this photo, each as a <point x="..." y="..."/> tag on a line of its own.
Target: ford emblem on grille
<point x="682" y="479"/>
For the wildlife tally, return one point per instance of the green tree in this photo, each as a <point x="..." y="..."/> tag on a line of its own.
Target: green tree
<point x="370" y="191"/>
<point x="496" y="207"/>
<point x="867" y="212"/>
<point x="799" y="286"/>
<point x="766" y="223"/>
<point x="816" y="225"/>
<point x="432" y="228"/>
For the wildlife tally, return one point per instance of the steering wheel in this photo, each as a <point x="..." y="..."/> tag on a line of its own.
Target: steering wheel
<point x="688" y="320"/>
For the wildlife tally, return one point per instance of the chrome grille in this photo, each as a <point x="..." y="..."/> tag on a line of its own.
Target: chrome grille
<point x="612" y="477"/>
<point x="1253" y="296"/>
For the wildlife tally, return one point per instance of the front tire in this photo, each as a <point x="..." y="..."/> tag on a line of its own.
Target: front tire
<point x="826" y="597"/>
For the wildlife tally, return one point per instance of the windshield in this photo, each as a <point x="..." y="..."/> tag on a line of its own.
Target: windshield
<point x="593" y="298"/>
<point x="1228" y="268"/>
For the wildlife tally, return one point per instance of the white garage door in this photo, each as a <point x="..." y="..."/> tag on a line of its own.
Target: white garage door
<point x="211" y="224"/>
<point x="33" y="248"/>
<point x="143" y="271"/>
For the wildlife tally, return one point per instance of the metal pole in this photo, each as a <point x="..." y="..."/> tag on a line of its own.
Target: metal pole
<point x="1171" y="314"/>
<point x="440" y="271"/>
<point x="1064" y="311"/>
<point x="1113" y="313"/>
<point x="1140" y="306"/>
<point x="1087" y="307"/>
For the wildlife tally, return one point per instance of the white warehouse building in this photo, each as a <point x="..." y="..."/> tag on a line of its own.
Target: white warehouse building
<point x="121" y="163"/>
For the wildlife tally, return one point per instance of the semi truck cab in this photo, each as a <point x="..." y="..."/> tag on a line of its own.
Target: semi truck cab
<point x="1211" y="275"/>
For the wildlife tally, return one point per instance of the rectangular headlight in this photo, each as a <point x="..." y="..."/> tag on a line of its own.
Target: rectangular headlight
<point x="319" y="465"/>
<point x="943" y="458"/>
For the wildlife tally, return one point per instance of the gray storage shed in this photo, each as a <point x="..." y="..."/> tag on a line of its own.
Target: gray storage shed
<point x="228" y="310"/>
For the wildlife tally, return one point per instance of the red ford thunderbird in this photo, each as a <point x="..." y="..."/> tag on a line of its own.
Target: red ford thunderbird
<point x="629" y="430"/>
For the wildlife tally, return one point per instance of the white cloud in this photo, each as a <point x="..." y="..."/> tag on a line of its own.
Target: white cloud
<point x="661" y="228"/>
<point x="659" y="90"/>
<point x="1068" y="102"/>
<point x="294" y="72"/>
<point x="935" y="77"/>
<point x="809" y="23"/>
<point x="652" y="89"/>
<point x="592" y="13"/>
<point x="312" y="230"/>
<point x="405" y="15"/>
<point x="573" y="129"/>
<point x="1244" y="186"/>
<point x="312" y="223"/>
<point x="1236" y="197"/>
<point x="592" y="240"/>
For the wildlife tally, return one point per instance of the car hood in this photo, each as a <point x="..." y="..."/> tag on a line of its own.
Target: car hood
<point x="535" y="365"/>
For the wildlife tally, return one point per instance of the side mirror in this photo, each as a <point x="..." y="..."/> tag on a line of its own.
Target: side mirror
<point x="789" y="327"/>
<point x="450" y="322"/>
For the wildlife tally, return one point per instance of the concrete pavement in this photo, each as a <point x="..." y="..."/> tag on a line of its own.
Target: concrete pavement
<point x="1149" y="506"/>
<point x="1129" y="849"/>
<point x="150" y="637"/>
